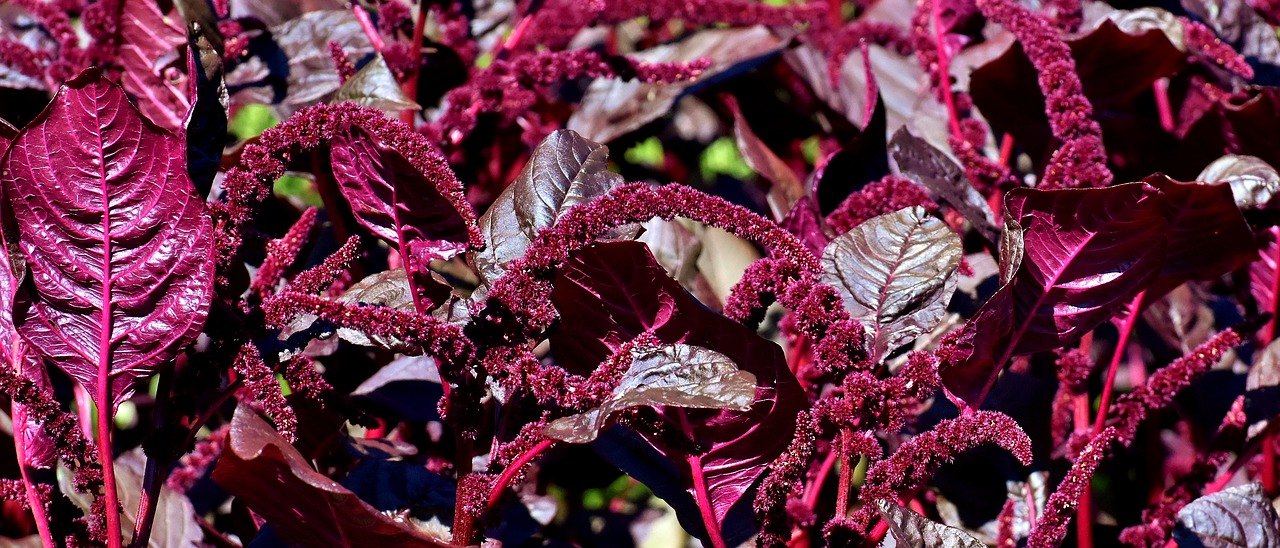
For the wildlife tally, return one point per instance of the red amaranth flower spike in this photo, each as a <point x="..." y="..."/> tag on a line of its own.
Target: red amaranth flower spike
<point x="878" y="198"/>
<point x="283" y="253"/>
<point x="264" y="390"/>
<point x="249" y="183"/>
<point x="1061" y="506"/>
<point x="340" y="60"/>
<point x="915" y="462"/>
<point x="318" y="278"/>
<point x="1205" y="42"/>
<point x="1080" y="161"/>
<point x="1130" y="409"/>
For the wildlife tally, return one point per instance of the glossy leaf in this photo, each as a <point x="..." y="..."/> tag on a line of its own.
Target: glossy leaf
<point x="1240" y="516"/>
<point x="612" y="292"/>
<point x="398" y="203"/>
<point x="1254" y="183"/>
<point x="675" y="375"/>
<point x="895" y="273"/>
<point x="911" y="529"/>
<point x="150" y="44"/>
<point x="117" y="243"/>
<point x="565" y="170"/>
<point x="921" y="162"/>
<point x="1207" y="235"/>
<point x="304" y="506"/>
<point x="374" y="86"/>
<point x="1085" y="254"/>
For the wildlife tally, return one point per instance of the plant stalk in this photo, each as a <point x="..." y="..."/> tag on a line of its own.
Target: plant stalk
<point x="1108" y="386"/>
<point x="34" y="500"/>
<point x="499" y="486"/>
<point x="846" y="475"/>
<point x="151" y="477"/>
<point x="944" y="69"/>
<point x="703" y="496"/>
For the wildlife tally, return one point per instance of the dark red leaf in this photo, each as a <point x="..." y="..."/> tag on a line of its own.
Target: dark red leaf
<point x="862" y="160"/>
<point x="398" y="203"/>
<point x="1207" y="235"/>
<point x="1085" y="254"/>
<point x="305" y="507"/>
<point x="1114" y="68"/>
<point x="117" y="244"/>
<point x="612" y="292"/>
<point x="205" y="125"/>
<point x="154" y="67"/>
<point x="786" y="188"/>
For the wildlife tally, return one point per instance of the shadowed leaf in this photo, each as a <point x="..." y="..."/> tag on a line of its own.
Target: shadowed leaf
<point x="911" y="529"/>
<point x="304" y="506"/>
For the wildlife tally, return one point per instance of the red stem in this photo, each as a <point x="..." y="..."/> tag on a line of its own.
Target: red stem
<point x="1161" y="90"/>
<point x="512" y="469"/>
<point x="703" y="497"/>
<point x="944" y="69"/>
<point x="700" y="492"/>
<point x="370" y="31"/>
<point x="1135" y="310"/>
<point x="151" y="478"/>
<point x="33" y="497"/>
<point x="411" y="85"/>
<point x="846" y="476"/>
<point x="1006" y="149"/>
<point x="105" y="401"/>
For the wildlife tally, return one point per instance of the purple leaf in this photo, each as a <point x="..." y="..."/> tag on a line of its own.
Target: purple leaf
<point x="206" y="122"/>
<point x="398" y="203"/>
<point x="1085" y="254"/>
<point x="786" y="188"/>
<point x="1240" y="516"/>
<point x="117" y="244"/>
<point x="1262" y="273"/>
<point x="921" y="162"/>
<point x="1207" y="235"/>
<point x="612" y="292"/>
<point x="39" y="449"/>
<point x="150" y="43"/>
<point x="304" y="506"/>
<point x="805" y="222"/>
<point x="896" y="274"/>
<point x="861" y="160"/>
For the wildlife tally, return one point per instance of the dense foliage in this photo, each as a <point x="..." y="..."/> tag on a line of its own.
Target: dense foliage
<point x="857" y="273"/>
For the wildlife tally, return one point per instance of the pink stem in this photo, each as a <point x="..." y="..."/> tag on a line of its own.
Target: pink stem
<point x="495" y="494"/>
<point x="366" y="25"/>
<point x="1135" y="310"/>
<point x="944" y="69"/>
<point x="1161" y="90"/>
<point x="703" y="497"/>
<point x="411" y="86"/>
<point x="1006" y="149"/>
<point x="34" y="500"/>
